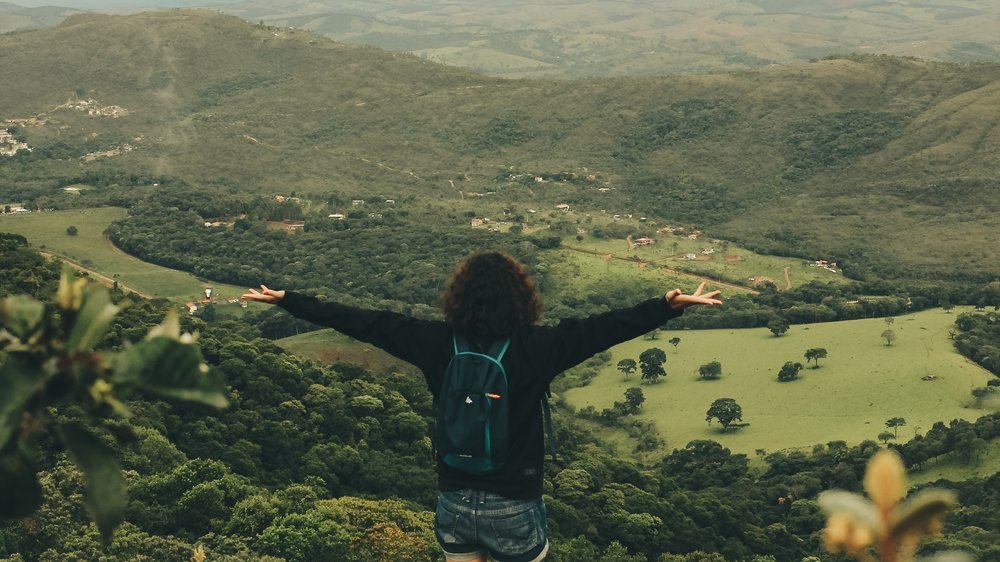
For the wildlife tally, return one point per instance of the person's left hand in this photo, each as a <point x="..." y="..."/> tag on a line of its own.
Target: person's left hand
<point x="264" y="295"/>
<point x="678" y="300"/>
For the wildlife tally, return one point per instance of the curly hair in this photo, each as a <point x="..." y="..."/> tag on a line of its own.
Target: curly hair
<point x="489" y="295"/>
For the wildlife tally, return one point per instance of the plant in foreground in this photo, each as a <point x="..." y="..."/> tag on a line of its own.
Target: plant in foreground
<point x="53" y="382"/>
<point x="894" y="528"/>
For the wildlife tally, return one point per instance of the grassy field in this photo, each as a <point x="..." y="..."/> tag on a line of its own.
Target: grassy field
<point x="860" y="385"/>
<point x="47" y="232"/>
<point x="743" y="265"/>
<point x="329" y="346"/>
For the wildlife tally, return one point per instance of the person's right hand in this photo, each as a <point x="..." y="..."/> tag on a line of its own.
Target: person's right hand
<point x="264" y="295"/>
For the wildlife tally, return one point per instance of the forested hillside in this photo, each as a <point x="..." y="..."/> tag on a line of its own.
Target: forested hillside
<point x="331" y="463"/>
<point x="859" y="153"/>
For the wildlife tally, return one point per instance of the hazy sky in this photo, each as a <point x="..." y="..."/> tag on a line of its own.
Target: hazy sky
<point x="100" y="4"/>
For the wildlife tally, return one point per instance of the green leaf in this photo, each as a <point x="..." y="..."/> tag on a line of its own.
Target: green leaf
<point x="839" y="501"/>
<point x="105" y="494"/>
<point x="18" y="382"/>
<point x="170" y="368"/>
<point x="21" y="316"/>
<point x="95" y="316"/>
<point x="20" y="492"/>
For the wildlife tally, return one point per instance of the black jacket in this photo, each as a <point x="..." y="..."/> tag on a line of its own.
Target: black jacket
<point x="535" y="356"/>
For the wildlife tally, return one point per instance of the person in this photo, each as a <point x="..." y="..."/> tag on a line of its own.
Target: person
<point x="490" y="296"/>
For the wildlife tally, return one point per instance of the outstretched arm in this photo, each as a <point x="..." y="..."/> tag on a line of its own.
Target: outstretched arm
<point x="679" y="301"/>
<point x="407" y="338"/>
<point x="264" y="295"/>
<point x="575" y="339"/>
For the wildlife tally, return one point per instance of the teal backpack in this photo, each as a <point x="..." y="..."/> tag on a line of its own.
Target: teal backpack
<point x="473" y="433"/>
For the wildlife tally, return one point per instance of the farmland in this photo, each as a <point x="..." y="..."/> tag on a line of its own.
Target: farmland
<point x="89" y="248"/>
<point x="849" y="397"/>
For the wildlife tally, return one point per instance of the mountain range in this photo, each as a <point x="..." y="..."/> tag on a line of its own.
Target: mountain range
<point x="886" y="162"/>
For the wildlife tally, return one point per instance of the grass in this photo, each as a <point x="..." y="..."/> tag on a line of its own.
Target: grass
<point x="663" y="253"/>
<point x="329" y="346"/>
<point x="47" y="232"/>
<point x="860" y="385"/>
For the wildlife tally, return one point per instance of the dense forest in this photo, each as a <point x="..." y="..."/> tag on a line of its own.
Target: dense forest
<point x="397" y="258"/>
<point x="332" y="462"/>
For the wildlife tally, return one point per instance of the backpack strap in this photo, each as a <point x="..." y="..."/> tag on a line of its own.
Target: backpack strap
<point x="496" y="358"/>
<point x="547" y="420"/>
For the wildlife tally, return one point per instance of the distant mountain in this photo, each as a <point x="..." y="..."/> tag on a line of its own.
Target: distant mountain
<point x="883" y="162"/>
<point x="526" y="38"/>
<point x="17" y="18"/>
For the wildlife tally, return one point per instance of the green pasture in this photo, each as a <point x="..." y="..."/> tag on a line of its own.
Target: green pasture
<point x="89" y="248"/>
<point x="330" y="346"/>
<point x="590" y="273"/>
<point x="668" y="251"/>
<point x="860" y="385"/>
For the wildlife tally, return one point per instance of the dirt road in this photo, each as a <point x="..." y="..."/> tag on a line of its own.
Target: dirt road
<point x="98" y="276"/>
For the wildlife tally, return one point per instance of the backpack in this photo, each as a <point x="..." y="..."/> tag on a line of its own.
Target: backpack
<point x="472" y="432"/>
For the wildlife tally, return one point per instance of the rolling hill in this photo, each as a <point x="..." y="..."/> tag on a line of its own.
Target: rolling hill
<point x="18" y="18"/>
<point x="886" y="164"/>
<point x="574" y="39"/>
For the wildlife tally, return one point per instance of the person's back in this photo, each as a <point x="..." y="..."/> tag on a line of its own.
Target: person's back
<point x="498" y="513"/>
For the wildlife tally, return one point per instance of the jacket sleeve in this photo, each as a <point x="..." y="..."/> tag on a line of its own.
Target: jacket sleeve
<point x="404" y="337"/>
<point x="574" y="340"/>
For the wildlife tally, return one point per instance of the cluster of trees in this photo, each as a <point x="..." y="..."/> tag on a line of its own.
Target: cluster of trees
<point x="650" y="364"/>
<point x="963" y="439"/>
<point x="977" y="336"/>
<point x="790" y="370"/>
<point x="390" y="258"/>
<point x="827" y="302"/>
<point x="24" y="271"/>
<point x="316" y="462"/>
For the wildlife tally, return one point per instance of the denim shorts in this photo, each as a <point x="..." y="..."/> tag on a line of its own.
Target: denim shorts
<point x="470" y="523"/>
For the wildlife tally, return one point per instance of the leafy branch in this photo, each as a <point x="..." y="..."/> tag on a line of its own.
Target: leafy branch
<point x="48" y="362"/>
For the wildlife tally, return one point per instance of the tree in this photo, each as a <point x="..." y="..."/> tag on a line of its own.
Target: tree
<point x="888" y="321"/>
<point x="778" y="326"/>
<point x="6" y="209"/>
<point x="627" y="366"/>
<point x="894" y="424"/>
<point x="633" y="400"/>
<point x="710" y="371"/>
<point x="726" y="410"/>
<point x="815" y="354"/>
<point x="889" y="336"/>
<point x="674" y="341"/>
<point x="885" y="436"/>
<point x="72" y="230"/>
<point x="789" y="371"/>
<point x="651" y="362"/>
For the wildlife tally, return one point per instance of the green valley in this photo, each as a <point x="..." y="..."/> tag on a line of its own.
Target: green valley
<point x="845" y="205"/>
